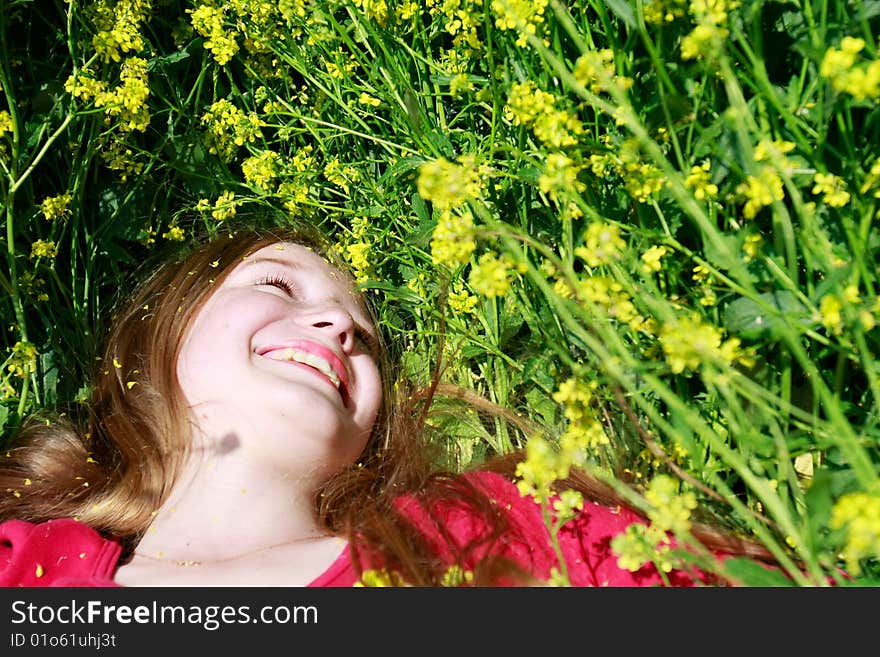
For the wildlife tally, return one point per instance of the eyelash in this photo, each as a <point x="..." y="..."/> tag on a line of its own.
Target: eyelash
<point x="282" y="283"/>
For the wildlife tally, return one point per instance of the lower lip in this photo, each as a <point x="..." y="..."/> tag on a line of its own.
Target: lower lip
<point x="314" y="371"/>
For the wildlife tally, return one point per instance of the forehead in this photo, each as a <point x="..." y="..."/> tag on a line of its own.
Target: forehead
<point x="290" y="254"/>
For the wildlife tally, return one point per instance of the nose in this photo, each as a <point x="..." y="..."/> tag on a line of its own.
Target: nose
<point x="336" y="323"/>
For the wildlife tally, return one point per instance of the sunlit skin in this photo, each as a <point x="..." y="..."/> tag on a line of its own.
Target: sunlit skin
<point x="267" y="430"/>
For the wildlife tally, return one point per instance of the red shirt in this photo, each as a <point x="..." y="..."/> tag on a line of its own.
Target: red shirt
<point x="65" y="552"/>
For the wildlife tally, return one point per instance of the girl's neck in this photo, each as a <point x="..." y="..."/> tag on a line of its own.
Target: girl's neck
<point x="223" y="511"/>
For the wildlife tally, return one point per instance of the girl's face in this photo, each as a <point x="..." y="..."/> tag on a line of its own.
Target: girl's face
<point x="281" y="362"/>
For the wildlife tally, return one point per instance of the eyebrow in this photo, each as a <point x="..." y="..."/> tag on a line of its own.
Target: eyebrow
<point x="272" y="261"/>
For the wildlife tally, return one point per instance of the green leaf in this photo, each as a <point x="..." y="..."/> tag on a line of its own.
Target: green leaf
<point x="751" y="573"/>
<point x="4" y="415"/>
<point x="819" y="499"/>
<point x="750" y="319"/>
<point x="624" y="12"/>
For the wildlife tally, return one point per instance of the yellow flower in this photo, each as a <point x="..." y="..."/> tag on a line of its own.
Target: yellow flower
<point x="367" y="99"/>
<point x="699" y="180"/>
<point x="670" y="510"/>
<point x="261" y="170"/>
<point x="23" y="359"/>
<point x="380" y="578"/>
<point x="560" y="176"/>
<point x="603" y="244"/>
<point x="55" y="207"/>
<point x="174" y="234"/>
<point x="457" y="576"/>
<point x="462" y="302"/>
<point x="833" y="188"/>
<point x="524" y="16"/>
<point x="760" y="191"/>
<point x="209" y="22"/>
<point x="452" y="241"/>
<point x="6" y="124"/>
<point x="651" y="258"/>
<point x="225" y="206"/>
<point x="358" y="256"/>
<point x="448" y="185"/>
<point x="858" y="515"/>
<point x="41" y="249"/>
<point x="830" y="311"/>
<point x="688" y="342"/>
<point x="491" y="275"/>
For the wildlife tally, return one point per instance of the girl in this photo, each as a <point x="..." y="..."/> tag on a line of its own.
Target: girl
<point x="243" y="431"/>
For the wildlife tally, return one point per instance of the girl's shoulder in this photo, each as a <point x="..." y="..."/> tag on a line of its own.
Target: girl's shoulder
<point x="60" y="552"/>
<point x="584" y="541"/>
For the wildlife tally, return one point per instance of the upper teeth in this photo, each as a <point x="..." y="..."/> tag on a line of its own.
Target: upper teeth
<point x="306" y="358"/>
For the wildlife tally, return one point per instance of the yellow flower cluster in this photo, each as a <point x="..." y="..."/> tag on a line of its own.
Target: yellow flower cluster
<point x="610" y="296"/>
<point x="41" y="249"/>
<point x="858" y="515"/>
<point x="641" y="179"/>
<point x="461" y="301"/>
<point x="120" y="157"/>
<point x="833" y="189"/>
<point x="56" y="207"/>
<point x="210" y="22"/>
<point x="688" y="342"/>
<point x="584" y="430"/>
<point x="651" y="258"/>
<point x="760" y="191"/>
<point x="23" y="359"/>
<point x="841" y="66"/>
<point x="380" y="577"/>
<point x="669" y="511"/>
<point x="523" y="16"/>
<point x="340" y="174"/>
<point x="261" y="170"/>
<point x="5" y="123"/>
<point x="174" y="233"/>
<point x="635" y="547"/>
<point x="452" y="241"/>
<point x="376" y="10"/>
<point x="544" y="464"/>
<point x="222" y="209"/>
<point x="118" y="25"/>
<point x="710" y="33"/>
<point x="448" y="185"/>
<point x="491" y="275"/>
<point x="700" y="181"/>
<point x="658" y="12"/>
<point x="356" y="249"/>
<point x="127" y="101"/>
<point x="602" y="244"/>
<point x="596" y="71"/>
<point x="229" y="128"/>
<point x="560" y="176"/>
<point x="531" y="107"/>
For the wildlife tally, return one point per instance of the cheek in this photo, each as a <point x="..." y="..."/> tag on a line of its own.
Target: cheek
<point x="372" y="394"/>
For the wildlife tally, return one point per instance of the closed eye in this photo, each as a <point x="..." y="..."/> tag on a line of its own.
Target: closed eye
<point x="282" y="283"/>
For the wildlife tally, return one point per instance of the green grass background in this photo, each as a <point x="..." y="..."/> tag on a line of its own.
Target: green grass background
<point x="648" y="226"/>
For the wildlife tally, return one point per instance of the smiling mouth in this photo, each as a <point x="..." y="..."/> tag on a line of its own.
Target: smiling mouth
<point x="311" y="360"/>
<point x="306" y="358"/>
